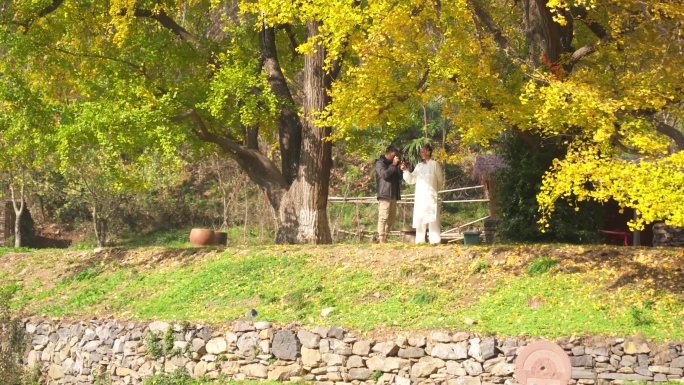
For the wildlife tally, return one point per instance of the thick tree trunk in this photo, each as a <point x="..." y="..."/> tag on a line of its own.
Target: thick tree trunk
<point x="100" y="227"/>
<point x="289" y="125"/>
<point x="544" y="35"/>
<point x="301" y="209"/>
<point x="299" y="193"/>
<point x="17" y="228"/>
<point x="18" y="210"/>
<point x="303" y="213"/>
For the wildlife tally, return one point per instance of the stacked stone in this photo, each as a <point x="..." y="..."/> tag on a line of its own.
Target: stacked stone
<point x="624" y="360"/>
<point x="74" y="353"/>
<point x="665" y="235"/>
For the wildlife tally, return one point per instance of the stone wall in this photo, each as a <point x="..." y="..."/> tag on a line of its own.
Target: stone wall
<point x="664" y="235"/>
<point x="75" y="352"/>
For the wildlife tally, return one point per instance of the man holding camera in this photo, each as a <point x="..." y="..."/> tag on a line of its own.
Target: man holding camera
<point x="388" y="177"/>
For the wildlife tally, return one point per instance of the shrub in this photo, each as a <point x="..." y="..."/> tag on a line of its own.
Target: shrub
<point x="480" y="266"/>
<point x="11" y="339"/>
<point x="516" y="191"/>
<point x="177" y="377"/>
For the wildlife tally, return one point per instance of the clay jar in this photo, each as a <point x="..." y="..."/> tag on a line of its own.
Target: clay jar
<point x="202" y="237"/>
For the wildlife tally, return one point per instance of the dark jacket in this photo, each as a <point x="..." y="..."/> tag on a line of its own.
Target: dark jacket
<point x="388" y="178"/>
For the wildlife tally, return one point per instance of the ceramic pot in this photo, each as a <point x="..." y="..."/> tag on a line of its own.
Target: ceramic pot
<point x="202" y="237"/>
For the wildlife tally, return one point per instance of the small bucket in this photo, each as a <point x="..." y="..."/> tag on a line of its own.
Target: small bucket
<point x="471" y="237"/>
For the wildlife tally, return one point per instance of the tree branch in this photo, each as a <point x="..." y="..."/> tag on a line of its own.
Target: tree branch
<point x="488" y="22"/>
<point x="405" y="97"/>
<point x="588" y="49"/>
<point x="138" y="68"/>
<point x="293" y="41"/>
<point x="289" y="125"/>
<point x="50" y="8"/>
<point x="166" y="21"/>
<point x="670" y="132"/>
<point x="260" y="169"/>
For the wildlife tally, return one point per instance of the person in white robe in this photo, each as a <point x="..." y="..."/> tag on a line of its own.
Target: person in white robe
<point x="428" y="178"/>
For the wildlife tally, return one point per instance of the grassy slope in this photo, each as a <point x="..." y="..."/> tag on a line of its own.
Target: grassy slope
<point x="602" y="290"/>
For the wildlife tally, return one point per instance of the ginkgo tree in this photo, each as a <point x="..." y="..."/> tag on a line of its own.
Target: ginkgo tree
<point x="23" y="118"/>
<point x="604" y="77"/>
<point x="217" y="64"/>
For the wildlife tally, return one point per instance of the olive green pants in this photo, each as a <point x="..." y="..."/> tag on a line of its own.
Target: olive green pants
<point x="387" y="212"/>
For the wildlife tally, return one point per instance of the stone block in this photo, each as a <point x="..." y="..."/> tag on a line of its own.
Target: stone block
<point x="387" y="349"/>
<point x="156" y="326"/>
<point x="242" y="326"/>
<point x="666" y="370"/>
<point x="579" y="373"/>
<point x="578" y="351"/>
<point x="55" y="371"/>
<point x="475" y="350"/>
<point x="217" y="345"/>
<point x="310" y="357"/>
<point x="411" y="352"/>
<point x="488" y="349"/>
<point x="643" y="372"/>
<point x="628" y="360"/>
<point x="283" y="373"/>
<point x="386" y="364"/>
<point x="623" y="377"/>
<point x="635" y="346"/>
<point x="321" y="331"/>
<point x="425" y="367"/>
<point x="355" y="362"/>
<point x="262" y="325"/>
<point x="582" y="361"/>
<point x="597" y="351"/>
<point x="440" y="337"/>
<point x="308" y="339"/>
<point x="255" y="371"/>
<point x="472" y="367"/>
<point x="336" y="332"/>
<point x="247" y="344"/>
<point x="677" y="363"/>
<point x="360" y="374"/>
<point x="503" y="369"/>
<point x="340" y="347"/>
<point x="332" y="359"/>
<point x="361" y="348"/>
<point x="418" y="342"/>
<point x="465" y="380"/>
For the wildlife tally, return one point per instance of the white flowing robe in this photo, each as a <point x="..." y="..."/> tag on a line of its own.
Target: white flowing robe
<point x="428" y="178"/>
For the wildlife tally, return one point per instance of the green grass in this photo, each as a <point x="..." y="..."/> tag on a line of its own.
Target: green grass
<point x="562" y="304"/>
<point x="5" y="250"/>
<point x="412" y="289"/>
<point x="541" y="265"/>
<point x="180" y="238"/>
<point x="169" y="238"/>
